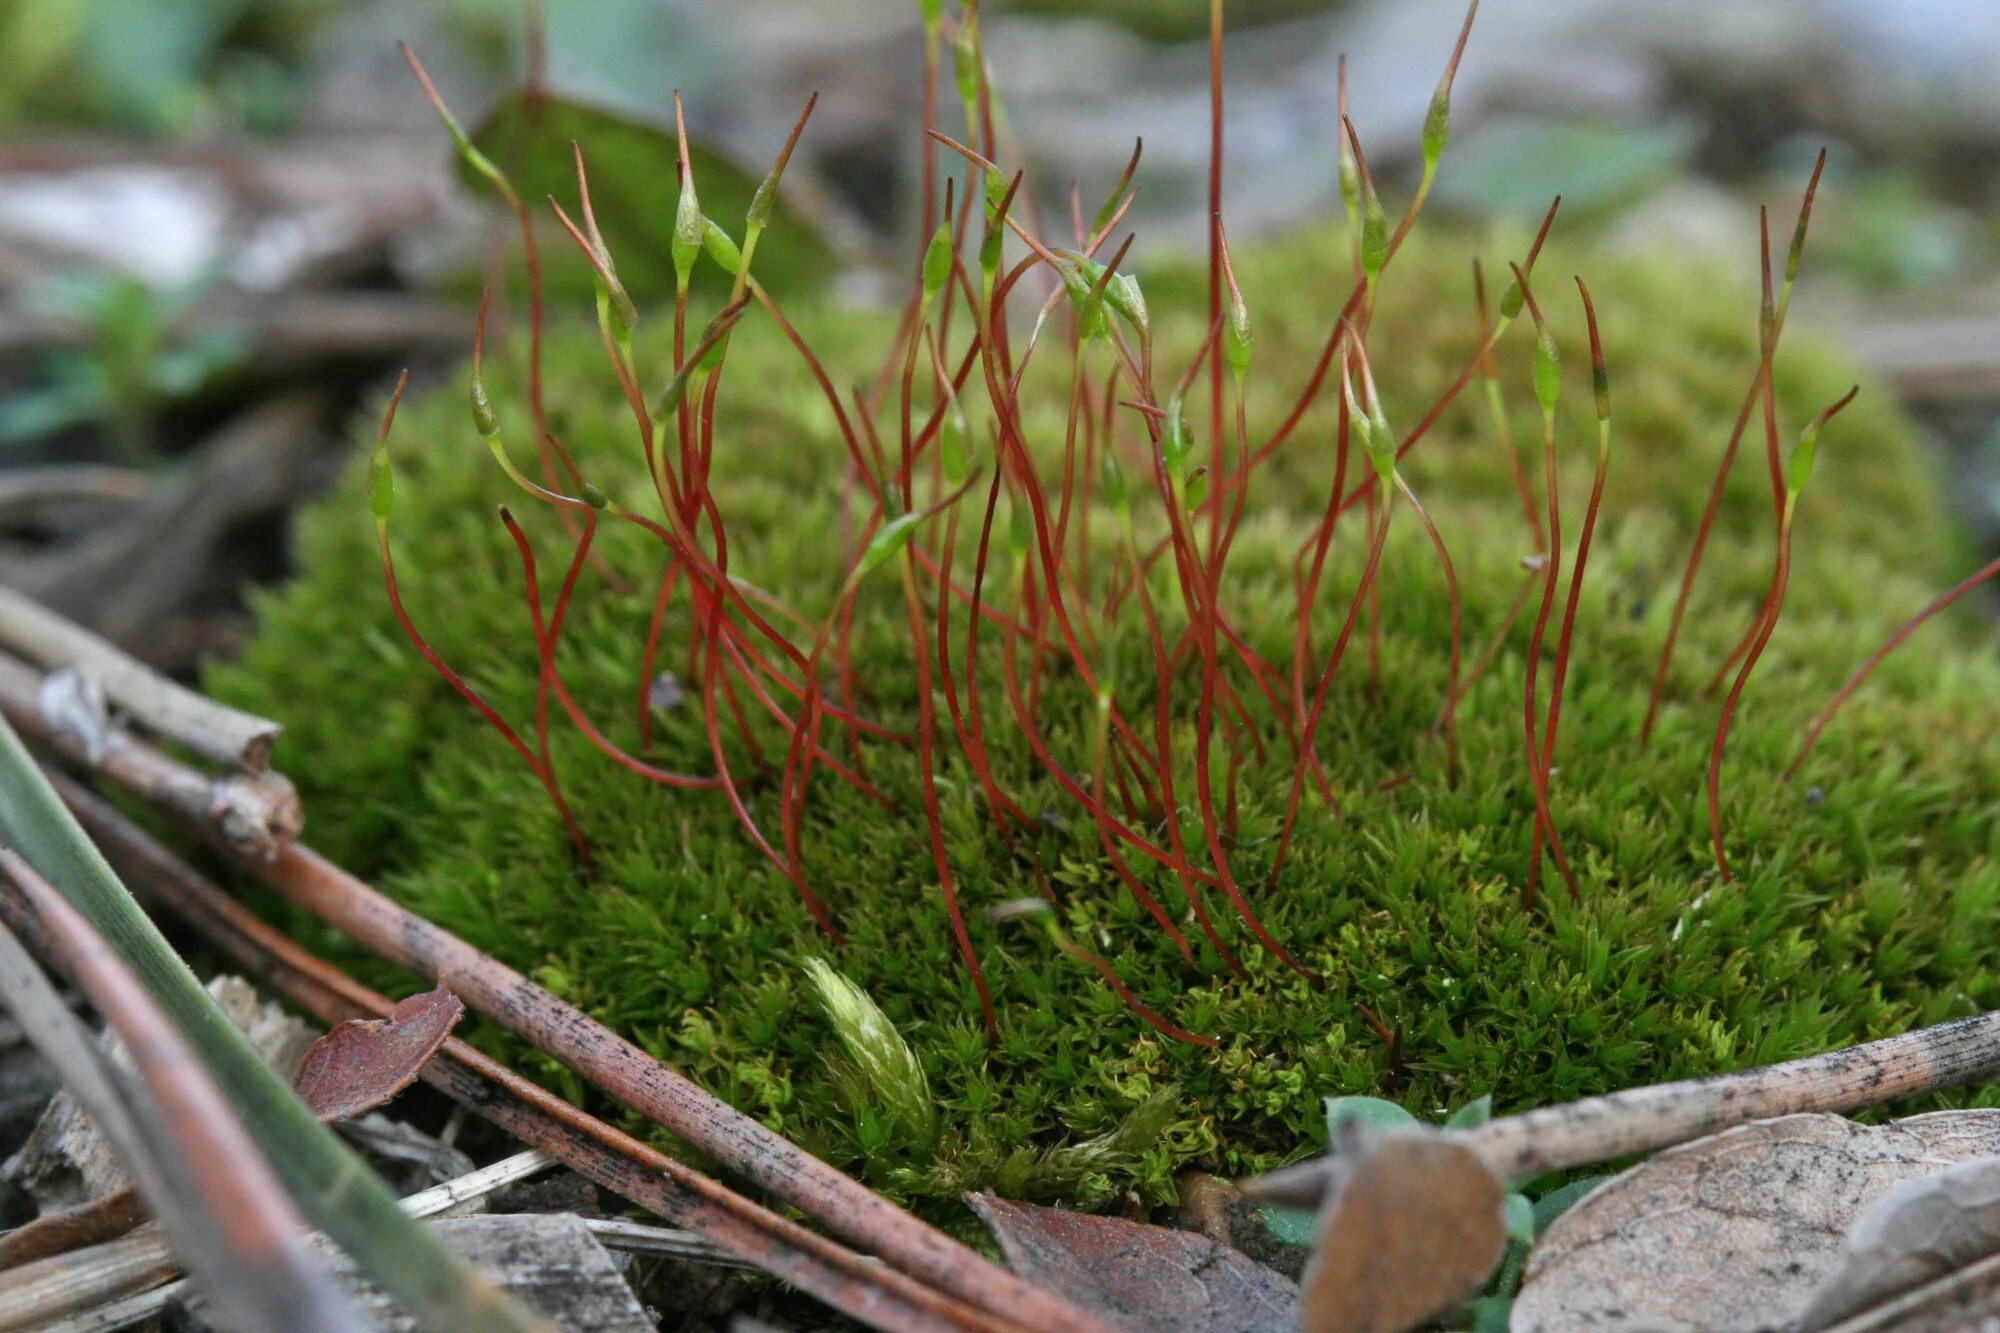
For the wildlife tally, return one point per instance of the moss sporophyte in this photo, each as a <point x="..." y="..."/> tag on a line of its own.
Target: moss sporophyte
<point x="1063" y="604"/>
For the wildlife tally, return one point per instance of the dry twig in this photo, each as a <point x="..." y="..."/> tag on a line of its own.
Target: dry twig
<point x="252" y="813"/>
<point x="1641" y="1120"/>
<point x="166" y="709"/>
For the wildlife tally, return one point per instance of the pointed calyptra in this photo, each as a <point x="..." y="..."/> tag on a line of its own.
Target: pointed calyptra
<point x="1120" y="292"/>
<point x="687" y="242"/>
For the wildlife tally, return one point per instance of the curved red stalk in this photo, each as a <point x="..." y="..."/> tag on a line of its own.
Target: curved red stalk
<point x="926" y="740"/>
<point x="1132" y="1001"/>
<point x="1894" y="641"/>
<point x="1544" y="823"/>
<point x="1773" y="329"/>
<point x="1451" y="596"/>
<point x="1493" y="645"/>
<point x="1377" y="537"/>
<point x="1561" y="676"/>
<point x="1489" y="370"/>
<point x="1774" y="602"/>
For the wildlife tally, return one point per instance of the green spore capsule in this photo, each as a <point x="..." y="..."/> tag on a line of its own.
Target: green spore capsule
<point x="381" y="483"/>
<point x="721" y="248"/>
<point x="1548" y="372"/>
<point x="937" y="260"/>
<point x="1437" y="128"/>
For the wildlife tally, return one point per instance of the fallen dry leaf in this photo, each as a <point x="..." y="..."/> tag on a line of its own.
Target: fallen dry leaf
<point x="1141" y="1278"/>
<point x="364" y="1062"/>
<point x="1918" y="1232"/>
<point x="1734" y="1231"/>
<point x="1413" y="1228"/>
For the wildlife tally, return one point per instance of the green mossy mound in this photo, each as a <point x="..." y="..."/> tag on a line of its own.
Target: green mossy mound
<point x="1867" y="889"/>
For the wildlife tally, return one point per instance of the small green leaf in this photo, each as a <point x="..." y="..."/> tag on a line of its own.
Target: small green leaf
<point x="1559" y="1201"/>
<point x="1473" y="1114"/>
<point x="1487" y="1314"/>
<point x="1520" y="1218"/>
<point x="1291" y="1226"/>
<point x="1365" y="1113"/>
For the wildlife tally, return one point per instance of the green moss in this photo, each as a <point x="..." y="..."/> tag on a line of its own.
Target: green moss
<point x="1867" y="889"/>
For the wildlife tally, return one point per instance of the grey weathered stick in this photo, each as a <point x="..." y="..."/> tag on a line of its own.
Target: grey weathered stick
<point x="167" y="710"/>
<point x="89" y="1288"/>
<point x="253" y="813"/>
<point x="1639" y="1120"/>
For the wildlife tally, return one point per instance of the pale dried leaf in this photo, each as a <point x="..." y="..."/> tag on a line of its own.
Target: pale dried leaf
<point x="1736" y="1230"/>
<point x="1141" y="1278"/>
<point x="1412" y="1228"/>
<point x="1917" y="1232"/>
<point x="364" y="1062"/>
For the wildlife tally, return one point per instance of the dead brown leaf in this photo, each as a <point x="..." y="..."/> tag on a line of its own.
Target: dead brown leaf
<point x="1413" y="1228"/>
<point x="1141" y="1278"/>
<point x="1734" y="1231"/>
<point x="364" y="1062"/>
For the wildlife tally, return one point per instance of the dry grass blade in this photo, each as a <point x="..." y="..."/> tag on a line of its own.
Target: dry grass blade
<point x="226" y="1211"/>
<point x="255" y="812"/>
<point x="858" y="1287"/>
<point x="88" y="1287"/>
<point x="164" y="708"/>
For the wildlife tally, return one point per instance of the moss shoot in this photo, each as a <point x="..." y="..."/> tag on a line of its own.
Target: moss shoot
<point x="1865" y="892"/>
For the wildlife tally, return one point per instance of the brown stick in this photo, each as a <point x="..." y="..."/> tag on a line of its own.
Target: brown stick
<point x="1640" y="1120"/>
<point x="856" y="1286"/>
